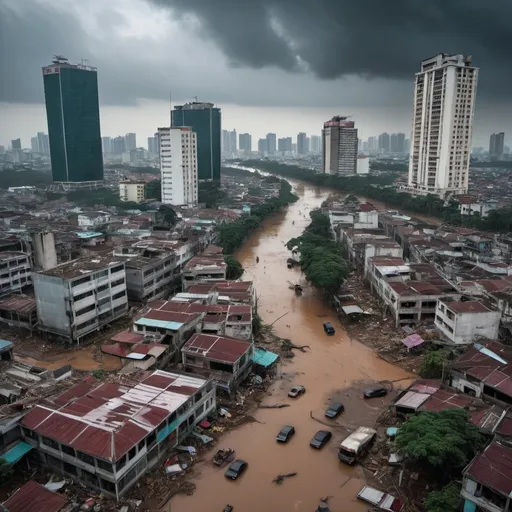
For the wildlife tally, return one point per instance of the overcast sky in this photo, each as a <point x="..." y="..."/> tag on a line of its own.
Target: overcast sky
<point x="281" y="66"/>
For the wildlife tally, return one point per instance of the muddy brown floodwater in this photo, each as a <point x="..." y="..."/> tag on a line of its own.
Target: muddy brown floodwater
<point x="335" y="367"/>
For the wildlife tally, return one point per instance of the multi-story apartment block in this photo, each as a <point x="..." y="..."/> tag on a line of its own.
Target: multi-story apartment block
<point x="15" y="272"/>
<point x="107" y="435"/>
<point x="444" y="106"/>
<point x="339" y="146"/>
<point x="78" y="297"/>
<point x="178" y="166"/>
<point x="130" y="190"/>
<point x="204" y="269"/>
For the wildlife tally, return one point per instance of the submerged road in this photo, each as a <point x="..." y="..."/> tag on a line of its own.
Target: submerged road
<point x="335" y="367"/>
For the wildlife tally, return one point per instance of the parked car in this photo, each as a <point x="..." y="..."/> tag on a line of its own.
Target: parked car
<point x="321" y="437"/>
<point x="286" y="433"/>
<point x="329" y="329"/>
<point x="236" y="469"/>
<point x="296" y="391"/>
<point x="355" y="446"/>
<point x="334" y="410"/>
<point x="374" y="391"/>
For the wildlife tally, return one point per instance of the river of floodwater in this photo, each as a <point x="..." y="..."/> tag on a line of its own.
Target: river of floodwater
<point x="335" y="367"/>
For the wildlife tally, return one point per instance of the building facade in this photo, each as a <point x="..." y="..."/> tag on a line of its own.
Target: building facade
<point x="178" y="166"/>
<point x="271" y="143"/>
<point x="72" y="110"/>
<point x="442" y="126"/>
<point x="15" y="272"/>
<point x="205" y="120"/>
<point x="245" y="142"/>
<point x="302" y="144"/>
<point x="77" y="298"/>
<point x="339" y="145"/>
<point x="133" y="191"/>
<point x="496" y="145"/>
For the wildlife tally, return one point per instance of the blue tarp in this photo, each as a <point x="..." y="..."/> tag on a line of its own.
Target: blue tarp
<point x="162" y="324"/>
<point x="13" y="455"/>
<point x="264" y="357"/>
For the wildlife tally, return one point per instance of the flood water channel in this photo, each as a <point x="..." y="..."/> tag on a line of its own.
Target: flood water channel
<point x="335" y="366"/>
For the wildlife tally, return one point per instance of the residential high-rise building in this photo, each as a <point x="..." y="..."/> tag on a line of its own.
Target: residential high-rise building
<point x="245" y="142"/>
<point x="205" y="120"/>
<point x="373" y="144"/>
<point x="73" y="114"/>
<point x="496" y="145"/>
<point x="130" y="141"/>
<point x="106" y="145"/>
<point x="315" y="144"/>
<point x="233" y="142"/>
<point x="178" y="165"/>
<point x="444" y="105"/>
<point x="271" y="143"/>
<point x="34" y="145"/>
<point x="15" y="144"/>
<point x="229" y="142"/>
<point x="384" y="143"/>
<point x="43" y="143"/>
<point x="153" y="145"/>
<point x="263" y="147"/>
<point x="302" y="144"/>
<point x="284" y="145"/>
<point x="339" y="147"/>
<point x="407" y="145"/>
<point x="118" y="145"/>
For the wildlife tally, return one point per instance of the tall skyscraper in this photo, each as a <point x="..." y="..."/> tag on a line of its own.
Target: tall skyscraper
<point x="245" y="142"/>
<point x="106" y="145"/>
<point x="444" y="106"/>
<point x="373" y="144"/>
<point x="16" y="144"/>
<point x="205" y="121"/>
<point x="284" y="145"/>
<point x="130" y="141"/>
<point x="302" y="144"/>
<point x="339" y="144"/>
<point x="263" y="147"/>
<point x="43" y="143"/>
<point x="229" y="142"/>
<point x="233" y="142"/>
<point x="496" y="145"/>
<point x="315" y="144"/>
<point x="118" y="145"/>
<point x="153" y="145"/>
<point x="73" y="114"/>
<point x="34" y="145"/>
<point x="384" y="143"/>
<point x="271" y="143"/>
<point x="178" y="166"/>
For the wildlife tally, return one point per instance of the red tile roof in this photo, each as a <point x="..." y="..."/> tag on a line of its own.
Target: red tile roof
<point x="33" y="496"/>
<point x="218" y="348"/>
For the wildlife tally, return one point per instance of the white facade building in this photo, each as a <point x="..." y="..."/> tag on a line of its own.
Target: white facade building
<point x="178" y="166"/>
<point x="339" y="147"/>
<point x="133" y="191"/>
<point x="444" y="105"/>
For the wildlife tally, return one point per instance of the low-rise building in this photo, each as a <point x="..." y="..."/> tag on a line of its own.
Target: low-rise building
<point x="15" y="272"/>
<point x="204" y="269"/>
<point x="133" y="191"/>
<point x="19" y="312"/>
<point x="464" y="322"/>
<point x="87" y="220"/>
<point x="77" y="298"/>
<point x="227" y="361"/>
<point x="106" y="435"/>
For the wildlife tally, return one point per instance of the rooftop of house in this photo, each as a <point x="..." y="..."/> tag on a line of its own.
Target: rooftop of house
<point x="32" y="495"/>
<point x="469" y="306"/>
<point x="107" y="419"/>
<point x="83" y="266"/>
<point x="173" y="309"/>
<point x="217" y="348"/>
<point x="21" y="304"/>
<point x="206" y="261"/>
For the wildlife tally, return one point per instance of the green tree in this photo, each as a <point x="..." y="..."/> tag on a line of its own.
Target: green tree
<point x="166" y="216"/>
<point x="432" y="366"/>
<point x="234" y="268"/>
<point x="445" y="500"/>
<point x="154" y="190"/>
<point x="442" y="442"/>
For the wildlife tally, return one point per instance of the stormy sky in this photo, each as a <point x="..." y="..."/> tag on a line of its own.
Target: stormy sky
<point x="272" y="65"/>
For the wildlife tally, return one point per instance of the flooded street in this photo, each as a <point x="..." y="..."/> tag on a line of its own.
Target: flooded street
<point x="334" y="367"/>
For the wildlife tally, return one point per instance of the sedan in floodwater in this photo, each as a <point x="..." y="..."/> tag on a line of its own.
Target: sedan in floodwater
<point x="236" y="469"/>
<point x="296" y="391"/>
<point x="329" y="329"/>
<point x="334" y="410"/>
<point x="374" y="391"/>
<point x="286" y="433"/>
<point x="321" y="437"/>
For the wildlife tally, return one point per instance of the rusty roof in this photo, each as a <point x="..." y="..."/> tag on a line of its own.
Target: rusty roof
<point x="218" y="348"/>
<point x="23" y="304"/>
<point x="106" y="420"/>
<point x="31" y="493"/>
<point x="493" y="468"/>
<point x="470" y="306"/>
<point x="128" y="337"/>
<point x="82" y="267"/>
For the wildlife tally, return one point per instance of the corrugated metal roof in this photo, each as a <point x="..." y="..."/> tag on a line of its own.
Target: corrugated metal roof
<point x="412" y="400"/>
<point x="264" y="358"/>
<point x="161" y="324"/>
<point x="218" y="348"/>
<point x="32" y="493"/>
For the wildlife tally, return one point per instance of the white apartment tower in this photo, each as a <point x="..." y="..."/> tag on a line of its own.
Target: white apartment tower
<point x="339" y="147"/>
<point x="444" y="105"/>
<point x="178" y="165"/>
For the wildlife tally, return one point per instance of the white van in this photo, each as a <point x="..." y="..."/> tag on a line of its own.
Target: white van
<point x="355" y="446"/>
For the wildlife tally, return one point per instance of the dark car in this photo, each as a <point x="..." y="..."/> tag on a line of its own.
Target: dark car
<point x="374" y="391"/>
<point x="296" y="391"/>
<point x="329" y="329"/>
<point x="334" y="410"/>
<point x="286" y="434"/>
<point x="236" y="469"/>
<point x="321" y="437"/>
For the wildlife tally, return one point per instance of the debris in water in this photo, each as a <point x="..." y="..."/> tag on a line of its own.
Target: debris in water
<point x="274" y="406"/>
<point x="280" y="478"/>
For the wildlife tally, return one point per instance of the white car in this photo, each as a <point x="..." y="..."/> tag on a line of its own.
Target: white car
<point x="296" y="391"/>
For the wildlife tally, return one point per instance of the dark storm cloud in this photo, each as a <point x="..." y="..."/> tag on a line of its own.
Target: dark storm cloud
<point x="371" y="38"/>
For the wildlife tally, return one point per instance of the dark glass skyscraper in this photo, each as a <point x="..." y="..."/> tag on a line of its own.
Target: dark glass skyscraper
<point x="205" y="120"/>
<point x="73" y="114"/>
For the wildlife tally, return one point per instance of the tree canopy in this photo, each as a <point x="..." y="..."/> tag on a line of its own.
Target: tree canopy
<point x="443" y="442"/>
<point x="445" y="500"/>
<point x="432" y="366"/>
<point x="234" y="268"/>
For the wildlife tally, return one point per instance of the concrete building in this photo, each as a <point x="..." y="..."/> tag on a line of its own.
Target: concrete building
<point x="466" y="322"/>
<point x="225" y="360"/>
<point x="271" y="143"/>
<point x="363" y="165"/>
<point x="204" y="269"/>
<point x="107" y="435"/>
<point x="302" y="144"/>
<point x="79" y="297"/>
<point x="496" y="146"/>
<point x="106" y="145"/>
<point x="15" y="272"/>
<point x="442" y="126"/>
<point x="16" y="144"/>
<point x="89" y="220"/>
<point x="19" y="312"/>
<point x="178" y="166"/>
<point x="339" y="146"/>
<point x="315" y="144"/>
<point x="245" y="142"/>
<point x="130" y="141"/>
<point x="262" y="147"/>
<point x="133" y="191"/>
